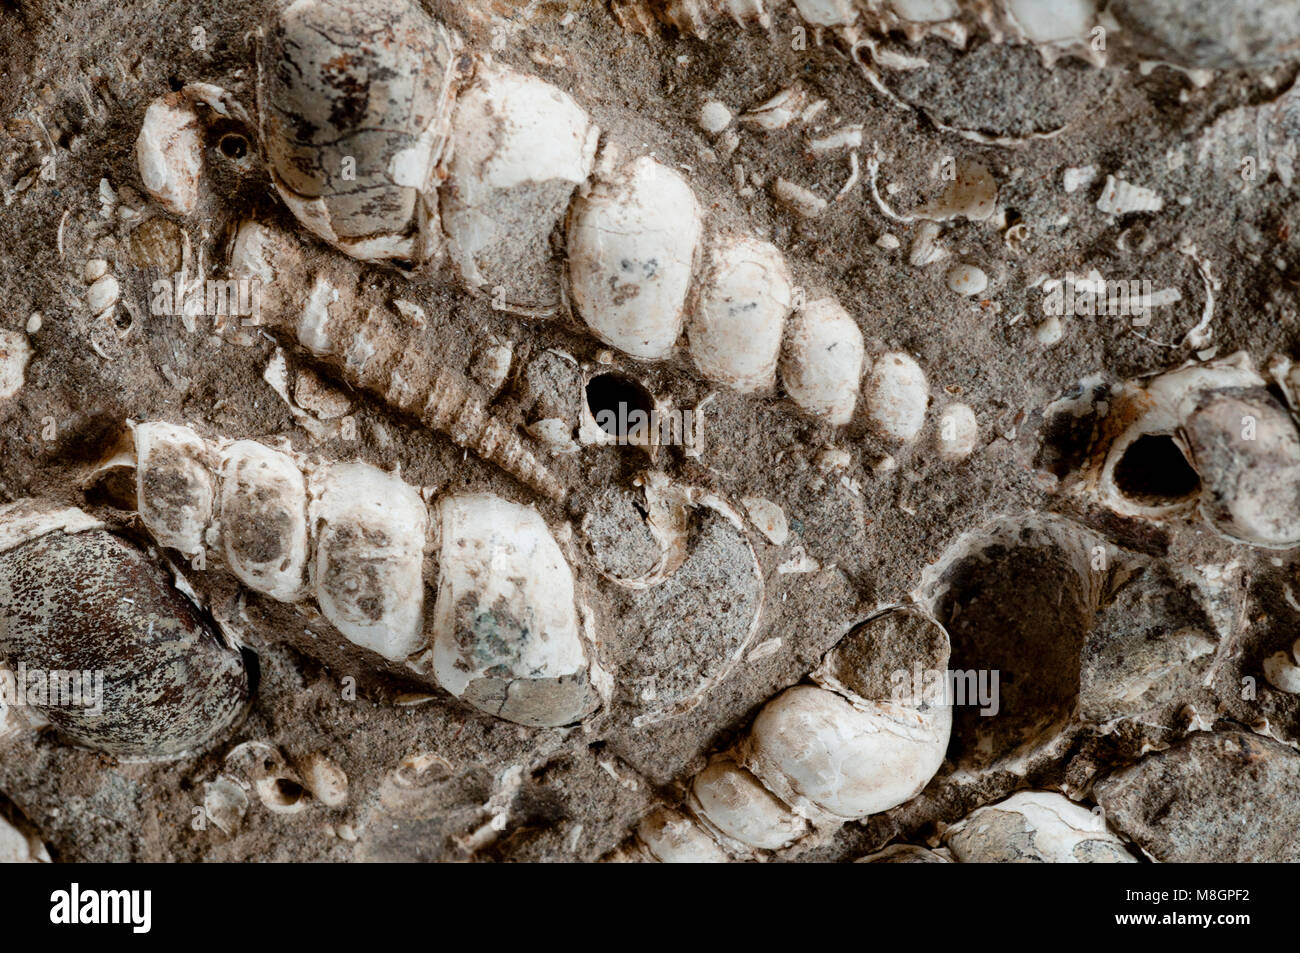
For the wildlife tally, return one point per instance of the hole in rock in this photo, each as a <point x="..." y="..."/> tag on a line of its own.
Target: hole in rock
<point x="620" y="406"/>
<point x="233" y="146"/>
<point x="1154" y="471"/>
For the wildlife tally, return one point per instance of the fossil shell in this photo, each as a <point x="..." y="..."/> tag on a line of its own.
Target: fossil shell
<point x="263" y="513"/>
<point x="355" y="104"/>
<point x="325" y="780"/>
<point x="733" y="806"/>
<point x="1246" y="450"/>
<point x="15" y="352"/>
<point x="506" y="637"/>
<point x="906" y="854"/>
<point x="957" y="432"/>
<point x="1053" y="21"/>
<point x="673" y="838"/>
<point x="75" y="598"/>
<point x="175" y="486"/>
<point x="276" y="784"/>
<point x="632" y="237"/>
<point x="897" y="396"/>
<point x="821" y="365"/>
<point x="368" y="565"/>
<point x="738" y="319"/>
<point x="522" y="146"/>
<point x="832" y="761"/>
<point x="1035" y="827"/>
<point x="169" y="153"/>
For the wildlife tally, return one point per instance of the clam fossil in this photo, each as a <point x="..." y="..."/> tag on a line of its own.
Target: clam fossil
<point x="79" y="601"/>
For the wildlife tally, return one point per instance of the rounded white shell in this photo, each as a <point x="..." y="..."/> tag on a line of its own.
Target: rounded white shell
<point x="521" y="147"/>
<point x="957" y="432"/>
<point x="1035" y="827"/>
<point x="505" y="636"/>
<point x="732" y="804"/>
<point x="169" y="154"/>
<point x="830" y="760"/>
<point x="263" y="513"/>
<point x="735" y="330"/>
<point x="821" y="367"/>
<point x="368" y="565"/>
<point x="174" y="484"/>
<point x="632" y="238"/>
<point x="897" y="396"/>
<point x="673" y="838"/>
<point x="827" y="12"/>
<point x="1053" y="21"/>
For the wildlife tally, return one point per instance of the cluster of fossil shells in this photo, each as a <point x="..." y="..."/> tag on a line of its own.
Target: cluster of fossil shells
<point x="503" y="634"/>
<point x="454" y="152"/>
<point x="839" y="748"/>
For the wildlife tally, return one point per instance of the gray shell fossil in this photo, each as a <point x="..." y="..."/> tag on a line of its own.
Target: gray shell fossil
<point x="354" y="106"/>
<point x="88" y="602"/>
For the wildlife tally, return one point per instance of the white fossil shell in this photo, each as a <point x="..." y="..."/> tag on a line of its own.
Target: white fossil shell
<point x="175" y="487"/>
<point x="1035" y="827"/>
<point x="521" y="148"/>
<point x="325" y="780"/>
<point x="957" y="432"/>
<point x="103" y="294"/>
<point x="738" y="320"/>
<point x="169" y="153"/>
<point x="896" y="396"/>
<point x="276" y="784"/>
<point x="1119" y="197"/>
<point x="833" y="761"/>
<point x="964" y="278"/>
<point x="907" y="854"/>
<point x="827" y="12"/>
<point x="263" y="513"/>
<point x="506" y="635"/>
<point x="225" y="802"/>
<point x="1053" y="21"/>
<point x="355" y="103"/>
<point x="15" y="352"/>
<point x="972" y="193"/>
<point x="632" y="239"/>
<point x="367" y="569"/>
<point x="19" y="848"/>
<point x="821" y="366"/>
<point x="673" y="838"/>
<point x="1246" y="450"/>
<point x="735" y="808"/>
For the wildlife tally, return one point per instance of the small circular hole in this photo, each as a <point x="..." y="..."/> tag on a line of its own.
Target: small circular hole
<point x="1153" y="471"/>
<point x="619" y="405"/>
<point x="233" y="146"/>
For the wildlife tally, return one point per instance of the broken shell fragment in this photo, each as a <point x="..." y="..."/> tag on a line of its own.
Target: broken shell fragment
<point x="907" y="854"/>
<point x="225" y="802"/>
<point x="821" y="366"/>
<point x="632" y="239"/>
<point x="263" y="514"/>
<point x="1035" y="827"/>
<point x="174" y="484"/>
<point x="738" y="321"/>
<point x="897" y="396"/>
<point x="76" y="598"/>
<point x="355" y="104"/>
<point x="15" y="352"/>
<point x="326" y="781"/>
<point x="522" y="147"/>
<point x="169" y="153"/>
<point x="276" y="784"/>
<point x="673" y="838"/>
<point x="367" y="570"/>
<point x="506" y="635"/>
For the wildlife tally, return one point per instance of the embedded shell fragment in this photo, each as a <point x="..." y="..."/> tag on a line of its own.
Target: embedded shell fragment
<point x="821" y="365"/>
<point x="522" y="146"/>
<point x="355" y="103"/>
<point x="169" y="153"/>
<point x="1036" y="827"/>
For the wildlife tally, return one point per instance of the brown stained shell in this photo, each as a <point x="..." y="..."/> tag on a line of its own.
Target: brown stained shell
<point x="90" y="602"/>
